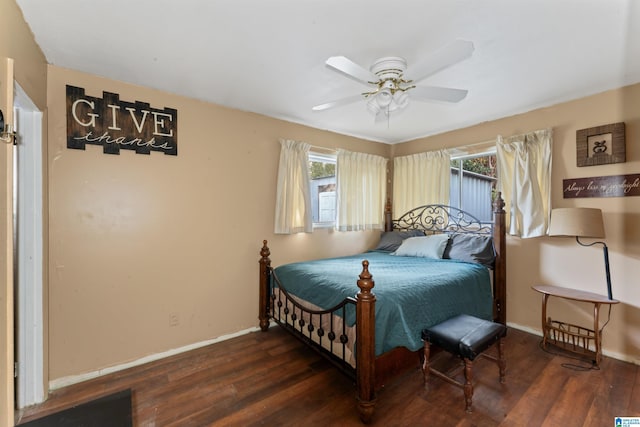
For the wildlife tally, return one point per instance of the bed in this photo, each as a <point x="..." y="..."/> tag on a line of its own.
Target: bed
<point x="371" y="329"/>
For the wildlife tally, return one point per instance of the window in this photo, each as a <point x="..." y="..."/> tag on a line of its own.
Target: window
<point x="473" y="181"/>
<point x="322" y="179"/>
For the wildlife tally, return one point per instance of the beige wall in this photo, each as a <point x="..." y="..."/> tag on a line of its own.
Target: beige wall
<point x="29" y="67"/>
<point x="17" y="42"/>
<point x="559" y="261"/>
<point x="136" y="239"/>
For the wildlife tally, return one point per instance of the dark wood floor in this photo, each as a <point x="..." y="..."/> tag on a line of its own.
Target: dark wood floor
<point x="272" y="379"/>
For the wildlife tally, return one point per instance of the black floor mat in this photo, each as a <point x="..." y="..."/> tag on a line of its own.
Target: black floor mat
<point x="113" y="410"/>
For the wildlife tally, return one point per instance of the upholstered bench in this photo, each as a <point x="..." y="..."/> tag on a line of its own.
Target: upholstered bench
<point x="467" y="337"/>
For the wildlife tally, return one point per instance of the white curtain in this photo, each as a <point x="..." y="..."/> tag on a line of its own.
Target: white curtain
<point x="524" y="178"/>
<point x="293" y="200"/>
<point x="361" y="185"/>
<point x="421" y="179"/>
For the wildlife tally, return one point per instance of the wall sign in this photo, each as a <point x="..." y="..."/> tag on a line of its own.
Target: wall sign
<point x="602" y="186"/>
<point x="600" y="145"/>
<point x="116" y="124"/>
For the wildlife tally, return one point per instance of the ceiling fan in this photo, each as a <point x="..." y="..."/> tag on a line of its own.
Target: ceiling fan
<point x="390" y="90"/>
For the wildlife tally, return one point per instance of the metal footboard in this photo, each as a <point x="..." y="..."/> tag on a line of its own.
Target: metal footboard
<point x="325" y="331"/>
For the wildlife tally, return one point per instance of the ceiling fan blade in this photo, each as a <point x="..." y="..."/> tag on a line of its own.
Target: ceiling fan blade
<point x="443" y="58"/>
<point x="352" y="70"/>
<point x="435" y="93"/>
<point x="338" y="103"/>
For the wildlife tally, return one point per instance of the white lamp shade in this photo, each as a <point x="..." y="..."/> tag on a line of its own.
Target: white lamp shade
<point x="579" y="222"/>
<point x="401" y="99"/>
<point x="384" y="98"/>
<point x="373" y="106"/>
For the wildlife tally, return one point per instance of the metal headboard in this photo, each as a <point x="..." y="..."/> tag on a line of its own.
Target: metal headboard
<point x="441" y="219"/>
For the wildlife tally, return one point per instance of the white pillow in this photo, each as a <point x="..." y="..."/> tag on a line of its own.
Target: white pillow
<point x="431" y="246"/>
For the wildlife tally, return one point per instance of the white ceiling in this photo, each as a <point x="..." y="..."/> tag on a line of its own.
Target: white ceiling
<point x="267" y="56"/>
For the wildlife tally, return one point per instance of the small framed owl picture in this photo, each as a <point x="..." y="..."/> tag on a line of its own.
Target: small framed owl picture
<point x="600" y="145"/>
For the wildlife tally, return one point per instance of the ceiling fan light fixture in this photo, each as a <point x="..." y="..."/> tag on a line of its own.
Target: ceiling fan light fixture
<point x="401" y="98"/>
<point x="373" y="106"/>
<point x="384" y="98"/>
<point x="387" y="101"/>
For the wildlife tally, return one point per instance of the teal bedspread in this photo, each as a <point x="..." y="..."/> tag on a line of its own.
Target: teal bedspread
<point x="412" y="293"/>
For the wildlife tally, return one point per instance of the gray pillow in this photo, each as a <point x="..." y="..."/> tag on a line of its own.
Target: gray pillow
<point x="471" y="248"/>
<point x="431" y="246"/>
<point x="391" y="240"/>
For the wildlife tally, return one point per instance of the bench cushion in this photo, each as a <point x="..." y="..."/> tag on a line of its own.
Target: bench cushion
<point x="464" y="335"/>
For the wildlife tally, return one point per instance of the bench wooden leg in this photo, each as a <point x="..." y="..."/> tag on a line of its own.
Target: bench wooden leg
<point x="468" y="383"/>
<point x="425" y="364"/>
<point x="502" y="362"/>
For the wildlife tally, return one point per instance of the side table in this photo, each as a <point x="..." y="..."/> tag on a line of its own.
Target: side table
<point x="573" y="338"/>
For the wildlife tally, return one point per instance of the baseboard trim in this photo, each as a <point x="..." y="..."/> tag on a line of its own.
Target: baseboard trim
<point x="74" y="379"/>
<point x="525" y="329"/>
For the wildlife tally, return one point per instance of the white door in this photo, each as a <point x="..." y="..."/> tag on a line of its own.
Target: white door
<point x="28" y="238"/>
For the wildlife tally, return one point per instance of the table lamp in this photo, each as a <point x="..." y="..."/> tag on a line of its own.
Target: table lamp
<point x="581" y="222"/>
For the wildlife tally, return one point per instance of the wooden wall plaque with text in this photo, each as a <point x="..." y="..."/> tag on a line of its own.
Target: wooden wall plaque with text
<point x="602" y="186"/>
<point x="115" y="124"/>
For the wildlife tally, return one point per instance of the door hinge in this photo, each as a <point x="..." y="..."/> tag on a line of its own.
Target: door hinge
<point x="15" y="369"/>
